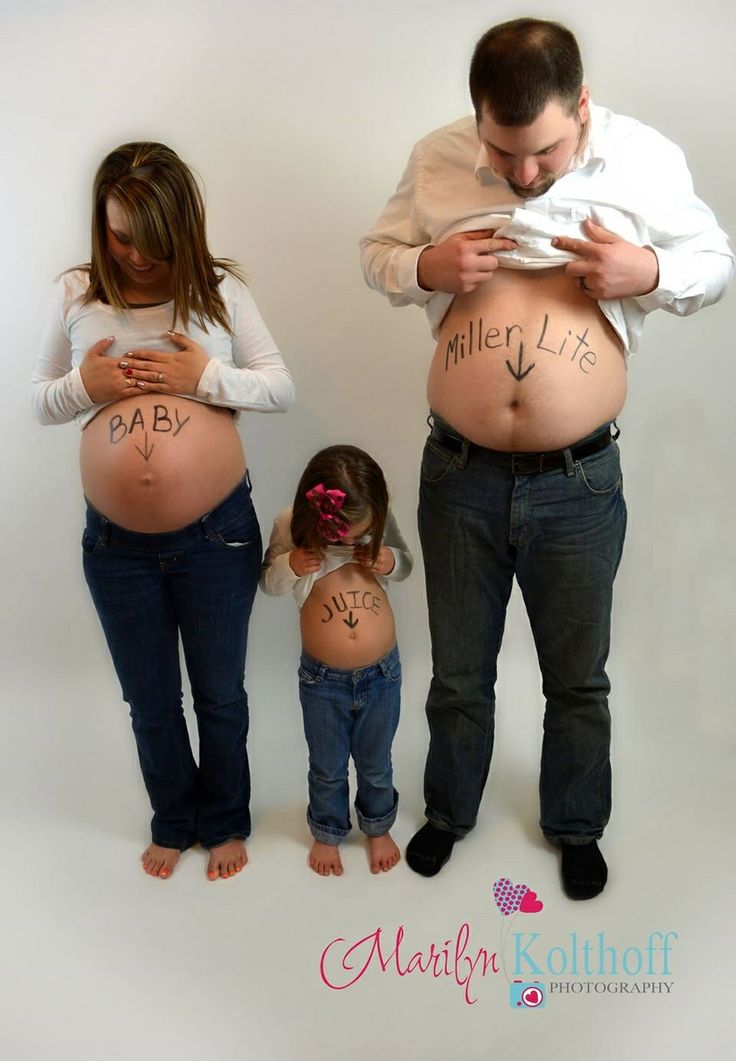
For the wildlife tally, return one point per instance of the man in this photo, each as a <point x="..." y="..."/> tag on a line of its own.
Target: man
<point x="537" y="235"/>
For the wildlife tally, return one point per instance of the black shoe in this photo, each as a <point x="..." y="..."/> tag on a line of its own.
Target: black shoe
<point x="429" y="849"/>
<point x="584" y="870"/>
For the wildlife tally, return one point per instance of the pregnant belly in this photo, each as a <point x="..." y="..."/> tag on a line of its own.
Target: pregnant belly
<point x="158" y="462"/>
<point x="347" y="620"/>
<point x="527" y="362"/>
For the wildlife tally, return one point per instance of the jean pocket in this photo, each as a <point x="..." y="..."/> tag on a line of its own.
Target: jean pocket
<point x="240" y="534"/>
<point x="391" y="670"/>
<point x="235" y="544"/>
<point x="436" y="462"/>
<point x="308" y="677"/>
<point x="601" y="474"/>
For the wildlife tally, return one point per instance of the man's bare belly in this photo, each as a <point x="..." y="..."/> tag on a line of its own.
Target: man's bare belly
<point x="527" y="362"/>
<point x="346" y="620"/>
<point x="158" y="462"/>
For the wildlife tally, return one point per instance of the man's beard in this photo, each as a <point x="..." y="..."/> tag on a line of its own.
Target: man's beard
<point x="534" y="190"/>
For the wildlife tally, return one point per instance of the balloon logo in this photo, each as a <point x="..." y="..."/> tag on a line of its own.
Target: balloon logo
<point x="512" y="897"/>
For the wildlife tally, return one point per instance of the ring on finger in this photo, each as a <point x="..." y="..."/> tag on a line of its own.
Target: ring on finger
<point x="582" y="284"/>
<point x="160" y="377"/>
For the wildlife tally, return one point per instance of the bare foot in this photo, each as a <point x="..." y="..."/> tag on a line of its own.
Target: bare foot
<point x="160" y="861"/>
<point x="384" y="853"/>
<point x="325" y="859"/>
<point x="227" y="859"/>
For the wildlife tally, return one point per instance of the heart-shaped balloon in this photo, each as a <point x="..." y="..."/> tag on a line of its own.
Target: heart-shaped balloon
<point x="530" y="904"/>
<point x="508" y="896"/>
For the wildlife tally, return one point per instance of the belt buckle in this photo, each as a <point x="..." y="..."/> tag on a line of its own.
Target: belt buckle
<point x="527" y="463"/>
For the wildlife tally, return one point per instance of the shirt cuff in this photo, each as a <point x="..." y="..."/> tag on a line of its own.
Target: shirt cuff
<point x="402" y="565"/>
<point x="408" y="276"/>
<point x="671" y="283"/>
<point x="209" y="381"/>
<point x="394" y="569"/>
<point x="79" y="391"/>
<point x="277" y="576"/>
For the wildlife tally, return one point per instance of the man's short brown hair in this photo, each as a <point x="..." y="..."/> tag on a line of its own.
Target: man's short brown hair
<point x="519" y="66"/>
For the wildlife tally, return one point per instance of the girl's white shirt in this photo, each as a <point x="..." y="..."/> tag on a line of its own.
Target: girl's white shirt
<point x="277" y="576"/>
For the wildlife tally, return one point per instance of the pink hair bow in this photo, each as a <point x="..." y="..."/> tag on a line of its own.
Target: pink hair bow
<point x="328" y="503"/>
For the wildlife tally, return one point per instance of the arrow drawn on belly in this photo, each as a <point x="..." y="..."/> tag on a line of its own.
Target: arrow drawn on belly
<point x="349" y="621"/>
<point x="148" y="451"/>
<point x="516" y="372"/>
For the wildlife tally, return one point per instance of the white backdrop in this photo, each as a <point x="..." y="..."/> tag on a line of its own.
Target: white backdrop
<point x="299" y="118"/>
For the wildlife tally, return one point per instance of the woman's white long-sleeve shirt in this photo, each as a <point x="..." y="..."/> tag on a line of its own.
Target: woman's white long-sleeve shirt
<point x="245" y="370"/>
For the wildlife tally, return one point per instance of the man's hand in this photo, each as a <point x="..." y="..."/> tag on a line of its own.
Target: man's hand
<point x="101" y="375"/>
<point x="304" y="562"/>
<point x="609" y="267"/>
<point x="461" y="262"/>
<point x="384" y="563"/>
<point x="167" y="373"/>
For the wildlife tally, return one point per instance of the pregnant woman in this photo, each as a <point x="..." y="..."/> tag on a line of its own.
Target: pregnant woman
<point x="153" y="348"/>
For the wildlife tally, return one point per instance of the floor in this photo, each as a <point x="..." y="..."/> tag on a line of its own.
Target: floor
<point x="278" y="963"/>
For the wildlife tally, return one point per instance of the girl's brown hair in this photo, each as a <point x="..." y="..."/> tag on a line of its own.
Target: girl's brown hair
<point x="353" y="471"/>
<point x="165" y="211"/>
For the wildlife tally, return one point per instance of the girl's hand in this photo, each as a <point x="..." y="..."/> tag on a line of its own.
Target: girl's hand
<point x="164" y="373"/>
<point x="304" y="561"/>
<point x="101" y="375"/>
<point x="385" y="561"/>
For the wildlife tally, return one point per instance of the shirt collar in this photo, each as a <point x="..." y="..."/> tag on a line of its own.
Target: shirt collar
<point x="598" y="119"/>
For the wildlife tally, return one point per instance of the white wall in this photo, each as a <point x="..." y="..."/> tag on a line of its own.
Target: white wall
<point x="299" y="116"/>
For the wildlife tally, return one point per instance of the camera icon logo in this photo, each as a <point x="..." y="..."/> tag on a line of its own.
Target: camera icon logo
<point x="526" y="995"/>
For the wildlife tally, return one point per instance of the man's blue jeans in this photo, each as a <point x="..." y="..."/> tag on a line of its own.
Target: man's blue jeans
<point x="198" y="582"/>
<point x="561" y="533"/>
<point x="350" y="712"/>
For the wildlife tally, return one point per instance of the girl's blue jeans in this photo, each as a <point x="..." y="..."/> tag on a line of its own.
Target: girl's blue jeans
<point x="197" y="584"/>
<point x="560" y="533"/>
<point x="350" y="712"/>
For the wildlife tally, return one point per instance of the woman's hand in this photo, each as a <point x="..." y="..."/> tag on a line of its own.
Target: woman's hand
<point x="101" y="375"/>
<point x="166" y="373"/>
<point x="304" y="561"/>
<point x="384" y="563"/>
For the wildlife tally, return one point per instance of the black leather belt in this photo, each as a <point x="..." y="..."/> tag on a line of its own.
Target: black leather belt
<point x="523" y="463"/>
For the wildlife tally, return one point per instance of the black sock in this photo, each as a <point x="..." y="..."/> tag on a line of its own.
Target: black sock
<point x="584" y="870"/>
<point x="429" y="849"/>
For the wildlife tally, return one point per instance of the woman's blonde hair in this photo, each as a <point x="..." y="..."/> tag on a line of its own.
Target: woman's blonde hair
<point x="165" y="211"/>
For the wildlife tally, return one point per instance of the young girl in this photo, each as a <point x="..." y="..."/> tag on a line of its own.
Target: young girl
<point x="336" y="548"/>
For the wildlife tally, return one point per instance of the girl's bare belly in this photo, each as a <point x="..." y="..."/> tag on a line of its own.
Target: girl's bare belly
<point x="346" y="620"/>
<point x="157" y="462"/>
<point x="527" y="362"/>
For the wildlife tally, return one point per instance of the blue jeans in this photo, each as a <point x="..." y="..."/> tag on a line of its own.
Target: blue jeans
<point x="198" y="583"/>
<point x="350" y="712"/>
<point x="561" y="533"/>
